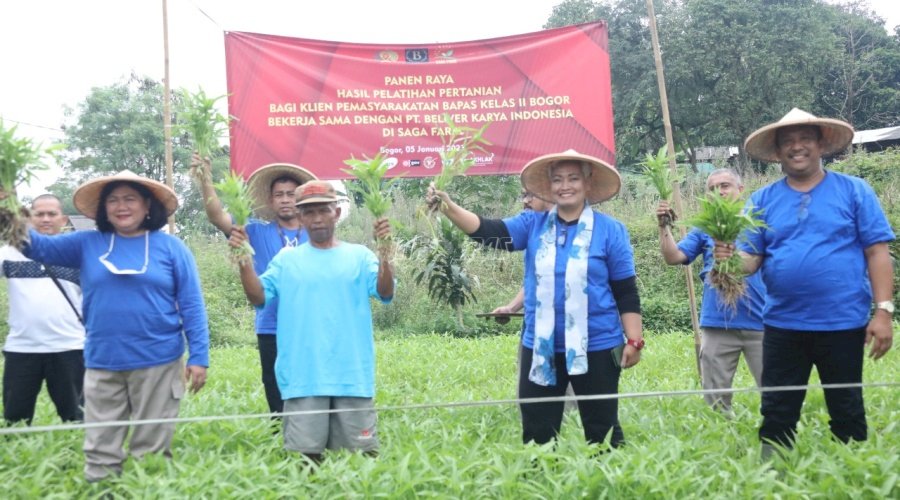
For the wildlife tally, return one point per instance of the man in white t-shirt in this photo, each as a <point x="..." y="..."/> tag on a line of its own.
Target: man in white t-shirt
<point x="46" y="336"/>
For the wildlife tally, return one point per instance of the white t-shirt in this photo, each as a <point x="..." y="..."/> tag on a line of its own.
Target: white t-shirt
<point x="40" y="319"/>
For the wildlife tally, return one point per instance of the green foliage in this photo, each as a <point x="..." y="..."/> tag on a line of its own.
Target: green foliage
<point x="237" y="201"/>
<point x="656" y="168"/>
<point x="198" y="118"/>
<point x="727" y="220"/>
<point x="732" y="66"/>
<point x="456" y="155"/>
<point x="371" y="187"/>
<point x="120" y="126"/>
<point x="444" y="272"/>
<point x="470" y="452"/>
<point x="20" y="159"/>
<point x="231" y="317"/>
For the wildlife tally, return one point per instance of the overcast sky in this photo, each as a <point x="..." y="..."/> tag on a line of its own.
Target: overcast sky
<point x="55" y="51"/>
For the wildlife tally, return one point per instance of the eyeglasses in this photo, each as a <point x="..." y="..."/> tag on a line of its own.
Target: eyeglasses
<point x="803" y="211"/>
<point x="115" y="270"/>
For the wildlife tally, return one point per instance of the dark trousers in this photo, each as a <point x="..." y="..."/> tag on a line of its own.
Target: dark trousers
<point x="24" y="374"/>
<point x="541" y="422"/>
<point x="788" y="358"/>
<point x="268" y="351"/>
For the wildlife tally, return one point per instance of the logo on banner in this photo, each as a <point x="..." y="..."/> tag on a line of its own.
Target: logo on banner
<point x="387" y="56"/>
<point x="430" y="162"/>
<point x="417" y="55"/>
<point x="444" y="57"/>
<point x="390" y="162"/>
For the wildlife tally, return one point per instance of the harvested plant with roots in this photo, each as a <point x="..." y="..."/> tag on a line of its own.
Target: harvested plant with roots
<point x="20" y="159"/>
<point x="656" y="168"/>
<point x="372" y="188"/>
<point x="456" y="155"/>
<point x="726" y="220"/>
<point x="235" y="197"/>
<point x="198" y="118"/>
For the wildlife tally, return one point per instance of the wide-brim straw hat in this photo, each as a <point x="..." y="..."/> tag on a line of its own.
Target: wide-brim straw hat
<point x="260" y="184"/>
<point x="87" y="196"/>
<point x="604" y="182"/>
<point x="836" y="135"/>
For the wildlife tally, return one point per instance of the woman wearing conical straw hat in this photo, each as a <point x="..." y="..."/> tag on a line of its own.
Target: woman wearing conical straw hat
<point x="142" y="303"/>
<point x="582" y="310"/>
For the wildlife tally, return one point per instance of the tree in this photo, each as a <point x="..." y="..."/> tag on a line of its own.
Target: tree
<point x="119" y="127"/>
<point x="862" y="82"/>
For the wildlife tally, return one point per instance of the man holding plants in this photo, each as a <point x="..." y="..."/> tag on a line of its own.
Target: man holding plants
<point x="46" y="335"/>
<point x="824" y="259"/>
<point x="272" y="188"/>
<point x="326" y="348"/>
<point x="726" y="331"/>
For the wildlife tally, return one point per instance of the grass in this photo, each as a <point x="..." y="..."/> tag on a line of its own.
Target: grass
<point x="677" y="447"/>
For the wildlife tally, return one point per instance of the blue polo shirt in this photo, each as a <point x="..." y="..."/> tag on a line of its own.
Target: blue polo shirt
<point x="267" y="239"/>
<point x="610" y="258"/>
<point x="814" y="265"/>
<point x="747" y="313"/>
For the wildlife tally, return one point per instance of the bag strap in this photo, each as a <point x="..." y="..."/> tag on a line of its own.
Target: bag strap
<point x="63" y="292"/>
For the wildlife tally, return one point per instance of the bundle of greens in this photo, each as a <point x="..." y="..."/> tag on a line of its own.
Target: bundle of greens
<point x="726" y="220"/>
<point x="656" y="168"/>
<point x="198" y="118"/>
<point x="371" y="187"/>
<point x="20" y="160"/>
<point x="236" y="199"/>
<point x="456" y="155"/>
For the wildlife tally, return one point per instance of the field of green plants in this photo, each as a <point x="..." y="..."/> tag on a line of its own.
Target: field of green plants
<point x="676" y="447"/>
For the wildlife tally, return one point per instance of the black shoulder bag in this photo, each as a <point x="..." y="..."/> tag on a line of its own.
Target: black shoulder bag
<point x="62" y="291"/>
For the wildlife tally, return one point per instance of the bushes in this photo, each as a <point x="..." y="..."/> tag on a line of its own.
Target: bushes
<point x="664" y="296"/>
<point x="231" y="317"/>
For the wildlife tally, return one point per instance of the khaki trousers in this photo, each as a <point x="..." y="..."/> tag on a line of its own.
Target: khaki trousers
<point x="147" y="393"/>
<point x="720" y="351"/>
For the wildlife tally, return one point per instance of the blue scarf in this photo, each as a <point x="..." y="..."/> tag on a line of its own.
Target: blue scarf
<point x="543" y="371"/>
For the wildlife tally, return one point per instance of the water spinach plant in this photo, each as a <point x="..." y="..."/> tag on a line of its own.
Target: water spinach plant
<point x="198" y="118"/>
<point x="656" y="168"/>
<point x="235" y="196"/>
<point x="20" y="160"/>
<point x="727" y="220"/>
<point x="373" y="189"/>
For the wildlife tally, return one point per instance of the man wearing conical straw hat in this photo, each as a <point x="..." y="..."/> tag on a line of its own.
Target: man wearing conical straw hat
<point x="277" y="226"/>
<point x="824" y="259"/>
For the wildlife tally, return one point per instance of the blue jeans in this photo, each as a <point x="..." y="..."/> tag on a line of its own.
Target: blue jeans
<point x="788" y="358"/>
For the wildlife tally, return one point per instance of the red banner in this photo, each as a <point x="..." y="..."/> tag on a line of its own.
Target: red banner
<point x="315" y="103"/>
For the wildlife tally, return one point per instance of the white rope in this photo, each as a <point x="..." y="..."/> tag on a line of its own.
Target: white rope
<point x="427" y="406"/>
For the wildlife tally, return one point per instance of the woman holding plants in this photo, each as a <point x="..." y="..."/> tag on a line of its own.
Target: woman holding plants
<point x="582" y="310"/>
<point x="142" y="299"/>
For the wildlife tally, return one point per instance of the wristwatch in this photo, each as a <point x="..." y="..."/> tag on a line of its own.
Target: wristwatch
<point x="637" y="344"/>
<point x="887" y="305"/>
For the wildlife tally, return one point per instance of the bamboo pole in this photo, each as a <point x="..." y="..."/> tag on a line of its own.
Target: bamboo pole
<point x="676" y="192"/>
<point x="167" y="111"/>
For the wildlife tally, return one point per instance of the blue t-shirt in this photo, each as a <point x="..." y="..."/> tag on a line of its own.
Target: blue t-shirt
<point x="747" y="314"/>
<point x="267" y="239"/>
<point x="325" y="340"/>
<point x="610" y="258"/>
<point x="133" y="320"/>
<point x="814" y="265"/>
